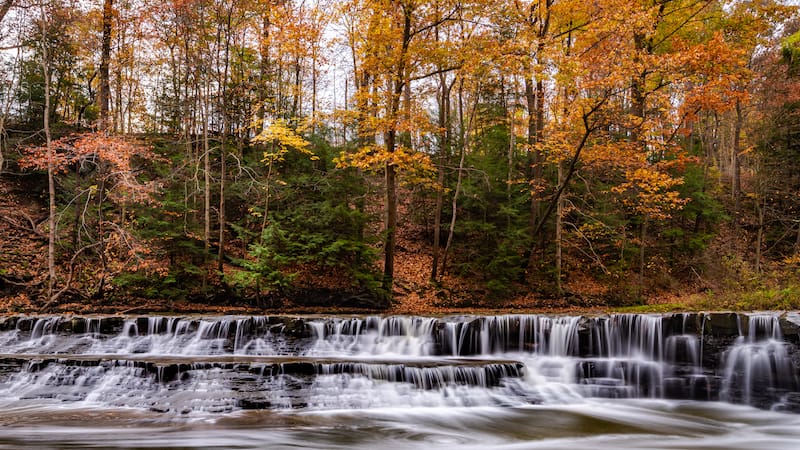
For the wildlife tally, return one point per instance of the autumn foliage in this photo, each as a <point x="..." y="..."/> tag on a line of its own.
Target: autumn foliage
<point x="450" y="152"/>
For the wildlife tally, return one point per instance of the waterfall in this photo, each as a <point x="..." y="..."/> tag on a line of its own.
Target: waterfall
<point x="189" y="365"/>
<point x="758" y="369"/>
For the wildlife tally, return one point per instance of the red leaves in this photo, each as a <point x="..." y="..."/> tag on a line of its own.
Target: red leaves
<point x="112" y="158"/>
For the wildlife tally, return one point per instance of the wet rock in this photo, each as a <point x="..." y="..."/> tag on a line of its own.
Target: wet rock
<point x="790" y="327"/>
<point x="8" y="323"/>
<point x="253" y="403"/>
<point x="682" y="323"/>
<point x="111" y="325"/>
<point x="725" y="325"/>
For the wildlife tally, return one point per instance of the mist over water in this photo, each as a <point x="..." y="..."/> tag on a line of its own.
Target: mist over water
<point x="684" y="381"/>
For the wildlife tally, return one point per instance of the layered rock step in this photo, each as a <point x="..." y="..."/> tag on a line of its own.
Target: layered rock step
<point x="330" y="362"/>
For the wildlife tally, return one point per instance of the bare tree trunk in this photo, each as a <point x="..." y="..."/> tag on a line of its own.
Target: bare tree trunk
<point x="398" y="84"/>
<point x="265" y="218"/>
<point x="736" y="183"/>
<point x="533" y="154"/>
<point x="2" y="132"/>
<point x="298" y="90"/>
<point x="222" y="181"/>
<point x="101" y="238"/>
<point x="463" y="144"/>
<point x="456" y="193"/>
<point x="51" y="185"/>
<point x="104" y="93"/>
<point x="642" y="256"/>
<point x="559" y="230"/>
<point x="391" y="223"/>
<point x="444" y="148"/>
<point x="797" y="240"/>
<point x="314" y="95"/>
<point x="536" y="103"/>
<point x="761" y="206"/>
<point x="264" y="66"/>
<point x="222" y="150"/>
<point x="512" y="139"/>
<point x="206" y="179"/>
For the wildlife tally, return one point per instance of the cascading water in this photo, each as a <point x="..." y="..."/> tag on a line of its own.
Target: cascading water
<point x="209" y="368"/>
<point x="758" y="368"/>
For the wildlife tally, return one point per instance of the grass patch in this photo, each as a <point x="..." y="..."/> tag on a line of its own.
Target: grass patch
<point x="653" y="308"/>
<point x="787" y="298"/>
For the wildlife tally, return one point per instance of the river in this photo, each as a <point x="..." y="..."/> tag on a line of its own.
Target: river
<point x="677" y="381"/>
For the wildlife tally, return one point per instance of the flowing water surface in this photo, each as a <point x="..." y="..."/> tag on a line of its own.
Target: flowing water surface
<point x="683" y="381"/>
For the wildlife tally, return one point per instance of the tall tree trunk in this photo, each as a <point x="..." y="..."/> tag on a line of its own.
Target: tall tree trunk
<point x="222" y="181"/>
<point x="298" y="90"/>
<point x="535" y="104"/>
<point x="444" y="148"/>
<point x="264" y="66"/>
<point x="559" y="230"/>
<point x="314" y="96"/>
<point x="736" y="183"/>
<point x="463" y="143"/>
<point x="398" y="84"/>
<point x="761" y="206"/>
<point x="2" y="133"/>
<point x="104" y="93"/>
<point x="512" y="139"/>
<point x="222" y="150"/>
<point x="101" y="240"/>
<point x="642" y="256"/>
<point x="391" y="223"/>
<point x="51" y="184"/>
<point x="405" y="136"/>
<point x="456" y="193"/>
<point x="206" y="180"/>
<point x="797" y="241"/>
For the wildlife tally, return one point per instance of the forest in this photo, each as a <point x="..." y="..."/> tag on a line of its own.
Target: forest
<point x="421" y="153"/>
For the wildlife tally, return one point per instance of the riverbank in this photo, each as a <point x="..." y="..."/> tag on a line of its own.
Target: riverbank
<point x="415" y="304"/>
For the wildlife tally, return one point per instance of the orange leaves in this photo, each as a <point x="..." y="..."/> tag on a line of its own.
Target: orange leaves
<point x="649" y="192"/>
<point x="714" y="74"/>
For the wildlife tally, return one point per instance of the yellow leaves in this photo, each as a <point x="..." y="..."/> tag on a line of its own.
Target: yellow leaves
<point x="596" y="231"/>
<point x="280" y="133"/>
<point x="792" y="260"/>
<point x="416" y="167"/>
<point x="282" y="138"/>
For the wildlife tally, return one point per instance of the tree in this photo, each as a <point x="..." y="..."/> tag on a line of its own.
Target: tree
<point x="105" y="57"/>
<point x="391" y="69"/>
<point x="111" y="162"/>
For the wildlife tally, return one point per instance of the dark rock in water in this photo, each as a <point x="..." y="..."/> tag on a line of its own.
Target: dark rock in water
<point x="292" y="326"/>
<point x="789" y="403"/>
<point x="8" y="323"/>
<point x="790" y="327"/>
<point x="252" y="403"/>
<point x="111" y="325"/>
<point x="725" y="325"/>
